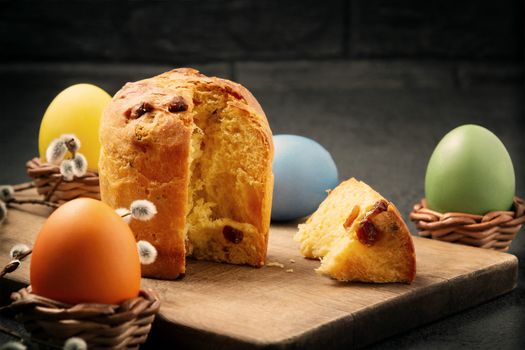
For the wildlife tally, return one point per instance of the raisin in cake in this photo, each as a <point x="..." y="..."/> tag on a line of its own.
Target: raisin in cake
<point x="359" y="236"/>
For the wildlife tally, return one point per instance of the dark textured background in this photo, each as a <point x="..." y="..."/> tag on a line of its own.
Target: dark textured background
<point x="378" y="83"/>
<point x="178" y="32"/>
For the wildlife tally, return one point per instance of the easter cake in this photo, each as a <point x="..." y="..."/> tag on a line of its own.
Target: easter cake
<point x="359" y="236"/>
<point x="199" y="148"/>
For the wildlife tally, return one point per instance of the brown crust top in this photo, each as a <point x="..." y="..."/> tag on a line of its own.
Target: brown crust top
<point x="178" y="83"/>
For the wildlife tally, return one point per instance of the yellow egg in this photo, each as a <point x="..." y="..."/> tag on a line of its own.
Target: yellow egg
<point x="76" y="110"/>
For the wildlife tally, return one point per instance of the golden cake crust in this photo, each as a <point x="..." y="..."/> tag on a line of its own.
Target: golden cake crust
<point x="145" y="136"/>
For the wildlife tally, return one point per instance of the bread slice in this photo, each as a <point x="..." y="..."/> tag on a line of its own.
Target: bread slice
<point x="359" y="236"/>
<point x="201" y="150"/>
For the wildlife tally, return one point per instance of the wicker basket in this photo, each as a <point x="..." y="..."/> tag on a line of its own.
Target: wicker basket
<point x="102" y="326"/>
<point x="46" y="176"/>
<point x="494" y="230"/>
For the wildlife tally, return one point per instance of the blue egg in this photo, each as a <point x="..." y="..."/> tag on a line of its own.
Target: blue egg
<point x="303" y="171"/>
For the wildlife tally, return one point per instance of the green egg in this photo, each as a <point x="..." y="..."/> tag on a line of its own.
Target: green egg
<point x="470" y="171"/>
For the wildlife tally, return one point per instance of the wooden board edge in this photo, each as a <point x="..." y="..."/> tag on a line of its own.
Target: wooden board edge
<point x="486" y="284"/>
<point x="165" y="333"/>
<point x="462" y="292"/>
<point x="331" y="335"/>
<point x="352" y="330"/>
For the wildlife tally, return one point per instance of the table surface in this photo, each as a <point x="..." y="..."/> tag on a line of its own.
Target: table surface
<point x="380" y="121"/>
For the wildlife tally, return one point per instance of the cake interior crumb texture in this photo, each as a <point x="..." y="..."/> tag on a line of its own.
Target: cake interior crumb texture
<point x="226" y="160"/>
<point x="330" y="234"/>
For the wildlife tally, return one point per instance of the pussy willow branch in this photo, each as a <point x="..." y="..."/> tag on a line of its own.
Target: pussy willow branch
<point x="69" y="146"/>
<point x="59" y="181"/>
<point x="22" y="255"/>
<point x="33" y="201"/>
<point x="53" y="189"/>
<point x="15" y="263"/>
<point x="24" y="186"/>
<point x="10" y="267"/>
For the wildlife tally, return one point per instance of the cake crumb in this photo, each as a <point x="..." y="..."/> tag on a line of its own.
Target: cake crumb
<point x="289" y="270"/>
<point x="292" y="261"/>
<point x="275" y="264"/>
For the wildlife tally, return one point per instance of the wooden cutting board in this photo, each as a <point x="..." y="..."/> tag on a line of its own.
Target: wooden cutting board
<point x="226" y="306"/>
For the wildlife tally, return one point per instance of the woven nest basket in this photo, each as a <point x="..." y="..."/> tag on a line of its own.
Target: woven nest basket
<point x="47" y="178"/>
<point x="102" y="326"/>
<point x="494" y="230"/>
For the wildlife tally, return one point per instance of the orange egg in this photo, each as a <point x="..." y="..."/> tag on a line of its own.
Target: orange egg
<point x="85" y="253"/>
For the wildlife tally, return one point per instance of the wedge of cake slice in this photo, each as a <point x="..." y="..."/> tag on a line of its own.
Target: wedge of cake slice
<point x="359" y="236"/>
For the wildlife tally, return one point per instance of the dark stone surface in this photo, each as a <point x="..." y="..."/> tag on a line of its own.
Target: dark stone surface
<point x="169" y="31"/>
<point x="437" y="29"/>
<point x="172" y="32"/>
<point x="379" y="120"/>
